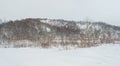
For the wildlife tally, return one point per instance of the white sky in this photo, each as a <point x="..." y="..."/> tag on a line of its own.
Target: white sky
<point x="96" y="10"/>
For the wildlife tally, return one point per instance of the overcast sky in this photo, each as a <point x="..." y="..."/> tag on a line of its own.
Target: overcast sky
<point x="95" y="10"/>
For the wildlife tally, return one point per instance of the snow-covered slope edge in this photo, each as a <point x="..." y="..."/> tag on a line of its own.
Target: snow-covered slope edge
<point x="104" y="55"/>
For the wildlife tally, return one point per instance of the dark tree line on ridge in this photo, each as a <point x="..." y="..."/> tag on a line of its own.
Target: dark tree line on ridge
<point x="43" y="34"/>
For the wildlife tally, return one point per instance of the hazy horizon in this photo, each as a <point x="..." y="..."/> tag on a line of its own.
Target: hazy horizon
<point x="77" y="10"/>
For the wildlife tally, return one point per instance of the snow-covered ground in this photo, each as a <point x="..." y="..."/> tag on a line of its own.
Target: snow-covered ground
<point x="105" y="55"/>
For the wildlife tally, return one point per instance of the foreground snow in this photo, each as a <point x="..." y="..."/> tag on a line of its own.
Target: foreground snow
<point x="105" y="55"/>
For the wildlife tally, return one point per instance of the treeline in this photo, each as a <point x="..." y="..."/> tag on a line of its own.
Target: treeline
<point x="70" y="33"/>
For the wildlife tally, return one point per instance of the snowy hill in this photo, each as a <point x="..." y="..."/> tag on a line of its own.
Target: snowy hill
<point x="39" y="32"/>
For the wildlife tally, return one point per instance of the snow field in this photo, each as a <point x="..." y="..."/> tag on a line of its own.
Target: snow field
<point x="105" y="55"/>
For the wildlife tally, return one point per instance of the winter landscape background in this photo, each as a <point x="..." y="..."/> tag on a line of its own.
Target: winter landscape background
<point x="56" y="42"/>
<point x="59" y="33"/>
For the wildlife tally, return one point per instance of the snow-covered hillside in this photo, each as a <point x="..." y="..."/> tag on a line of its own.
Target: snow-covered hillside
<point x="54" y="32"/>
<point x="104" y="55"/>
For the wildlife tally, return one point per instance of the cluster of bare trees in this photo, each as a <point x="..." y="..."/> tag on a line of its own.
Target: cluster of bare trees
<point x="46" y="35"/>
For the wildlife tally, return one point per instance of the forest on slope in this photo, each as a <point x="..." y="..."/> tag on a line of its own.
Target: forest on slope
<point x="40" y="32"/>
